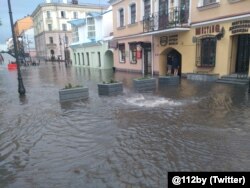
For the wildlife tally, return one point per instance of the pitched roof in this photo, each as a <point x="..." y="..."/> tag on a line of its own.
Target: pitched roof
<point x="77" y="22"/>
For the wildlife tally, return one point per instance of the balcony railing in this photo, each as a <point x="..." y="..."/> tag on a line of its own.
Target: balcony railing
<point x="175" y="17"/>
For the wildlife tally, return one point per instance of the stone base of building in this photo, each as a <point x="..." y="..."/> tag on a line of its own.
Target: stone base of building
<point x="202" y="77"/>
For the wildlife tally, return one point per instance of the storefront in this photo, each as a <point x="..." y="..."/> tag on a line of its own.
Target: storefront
<point x="133" y="54"/>
<point x="240" y="51"/>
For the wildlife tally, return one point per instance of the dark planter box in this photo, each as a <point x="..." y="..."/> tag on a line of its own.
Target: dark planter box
<point x="202" y="77"/>
<point x="73" y="93"/>
<point x="110" y="89"/>
<point x="144" y="85"/>
<point x="169" y="80"/>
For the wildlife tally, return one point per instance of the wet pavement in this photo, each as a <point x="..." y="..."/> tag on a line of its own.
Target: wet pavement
<point x="130" y="140"/>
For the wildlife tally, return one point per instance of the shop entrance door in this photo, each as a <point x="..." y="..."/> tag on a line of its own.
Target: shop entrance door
<point x="243" y="54"/>
<point x="147" y="59"/>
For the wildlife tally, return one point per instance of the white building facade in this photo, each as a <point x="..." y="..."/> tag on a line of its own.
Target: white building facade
<point x="91" y="36"/>
<point x="52" y="30"/>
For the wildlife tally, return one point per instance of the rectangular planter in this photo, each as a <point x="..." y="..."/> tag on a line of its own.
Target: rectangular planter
<point x="169" y="80"/>
<point x="110" y="89"/>
<point x="143" y="85"/>
<point x="73" y="93"/>
<point x="202" y="77"/>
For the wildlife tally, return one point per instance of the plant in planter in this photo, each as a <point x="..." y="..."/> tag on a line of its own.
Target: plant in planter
<point x="145" y="83"/>
<point x="70" y="92"/>
<point x="110" y="88"/>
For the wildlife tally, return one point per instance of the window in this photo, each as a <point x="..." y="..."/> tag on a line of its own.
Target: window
<point x="91" y="27"/>
<point x="75" y="58"/>
<point x="87" y="58"/>
<point x="63" y="14"/>
<point x="207" y="2"/>
<point x="51" y="40"/>
<point x="50" y="27"/>
<point x="147" y="8"/>
<point x="121" y="53"/>
<point x="132" y="53"/>
<point x="83" y="59"/>
<point x="206" y="51"/>
<point x="75" y="15"/>
<point x="99" y="58"/>
<point x="121" y="17"/>
<point x="64" y="27"/>
<point x="75" y="34"/>
<point x="66" y="39"/>
<point x="132" y="13"/>
<point x="48" y="14"/>
<point x="79" y="60"/>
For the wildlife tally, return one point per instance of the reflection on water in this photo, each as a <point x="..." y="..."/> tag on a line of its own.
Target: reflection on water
<point x="130" y="140"/>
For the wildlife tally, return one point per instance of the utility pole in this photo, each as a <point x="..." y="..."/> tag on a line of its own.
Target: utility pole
<point x="21" y="88"/>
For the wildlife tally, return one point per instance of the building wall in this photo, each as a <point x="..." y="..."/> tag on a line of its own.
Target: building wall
<point x="95" y="56"/>
<point x="222" y="9"/>
<point x="128" y="29"/>
<point x="23" y="24"/>
<point x="201" y="23"/>
<point x="29" y="42"/>
<point x="41" y="21"/>
<point x="127" y="65"/>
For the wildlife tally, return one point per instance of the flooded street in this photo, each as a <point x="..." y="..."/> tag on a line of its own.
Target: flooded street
<point x="126" y="141"/>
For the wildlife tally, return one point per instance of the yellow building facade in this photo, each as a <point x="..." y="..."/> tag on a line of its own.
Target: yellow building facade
<point x="211" y="37"/>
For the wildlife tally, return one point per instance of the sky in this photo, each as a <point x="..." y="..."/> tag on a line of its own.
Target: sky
<point x="20" y="9"/>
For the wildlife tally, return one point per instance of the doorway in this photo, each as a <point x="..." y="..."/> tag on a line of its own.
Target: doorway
<point x="243" y="54"/>
<point x="147" y="58"/>
<point x="176" y="55"/>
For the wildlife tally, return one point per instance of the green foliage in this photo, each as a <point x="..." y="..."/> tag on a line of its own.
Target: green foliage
<point x="110" y="82"/>
<point x="69" y="86"/>
<point x="144" y="77"/>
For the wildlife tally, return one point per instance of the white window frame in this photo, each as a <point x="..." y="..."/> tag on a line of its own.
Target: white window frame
<point x="91" y="28"/>
<point x="120" y="53"/>
<point x="75" y="34"/>
<point x="201" y="3"/>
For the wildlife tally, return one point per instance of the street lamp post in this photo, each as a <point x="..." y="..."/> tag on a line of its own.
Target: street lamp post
<point x="21" y="88"/>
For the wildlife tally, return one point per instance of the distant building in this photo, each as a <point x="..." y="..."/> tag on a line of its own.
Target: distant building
<point x="52" y="31"/>
<point x="91" y="35"/>
<point x="20" y="26"/>
<point x="23" y="24"/>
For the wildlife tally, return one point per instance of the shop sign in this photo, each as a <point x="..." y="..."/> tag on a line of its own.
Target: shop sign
<point x="207" y="29"/>
<point x="240" y="26"/>
<point x="169" y="40"/>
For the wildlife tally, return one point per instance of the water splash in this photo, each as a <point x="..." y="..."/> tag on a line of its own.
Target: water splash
<point x="151" y="101"/>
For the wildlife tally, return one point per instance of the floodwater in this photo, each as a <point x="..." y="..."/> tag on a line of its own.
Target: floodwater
<point x="127" y="141"/>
